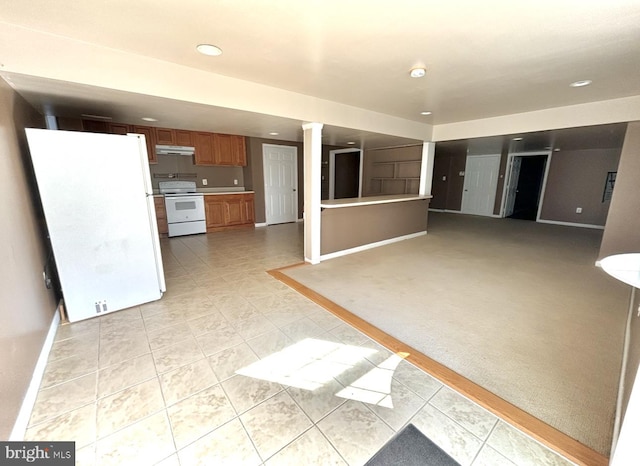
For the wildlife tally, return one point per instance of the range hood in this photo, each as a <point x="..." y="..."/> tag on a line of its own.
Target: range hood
<point x="174" y="150"/>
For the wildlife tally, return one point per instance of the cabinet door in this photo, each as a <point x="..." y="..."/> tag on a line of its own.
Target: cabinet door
<point x="222" y="149"/>
<point x="165" y="136"/>
<point x="94" y="126"/>
<point x="203" y="143"/>
<point x="239" y="150"/>
<point x="183" y="138"/>
<point x="161" y="215"/>
<point x="150" y="137"/>
<point x="248" y="209"/>
<point x="234" y="210"/>
<point x="214" y="211"/>
<point x="119" y="128"/>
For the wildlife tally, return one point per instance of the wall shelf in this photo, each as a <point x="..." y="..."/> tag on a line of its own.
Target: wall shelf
<point x="395" y="177"/>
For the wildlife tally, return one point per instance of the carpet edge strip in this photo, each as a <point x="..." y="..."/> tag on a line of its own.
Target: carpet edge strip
<point x="539" y="430"/>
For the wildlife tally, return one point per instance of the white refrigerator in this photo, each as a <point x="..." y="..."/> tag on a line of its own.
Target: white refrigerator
<point x="98" y="205"/>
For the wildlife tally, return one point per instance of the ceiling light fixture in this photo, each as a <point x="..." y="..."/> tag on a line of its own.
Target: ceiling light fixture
<point x="516" y="139"/>
<point x="208" y="49"/>
<point x="273" y="133"/>
<point x="351" y="143"/>
<point x="425" y="113"/>
<point x="148" y="119"/>
<point x="418" y="72"/>
<point x="581" y="83"/>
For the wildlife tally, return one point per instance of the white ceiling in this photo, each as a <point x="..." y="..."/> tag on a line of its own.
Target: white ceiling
<point x="483" y="59"/>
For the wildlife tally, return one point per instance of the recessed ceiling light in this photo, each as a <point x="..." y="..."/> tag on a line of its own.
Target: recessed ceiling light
<point x="557" y="149"/>
<point x="208" y="49"/>
<point x="148" y="119"/>
<point x="273" y="133"/>
<point x="425" y="113"/>
<point x="351" y="143"/>
<point x="516" y="139"/>
<point x="418" y="72"/>
<point x="582" y="83"/>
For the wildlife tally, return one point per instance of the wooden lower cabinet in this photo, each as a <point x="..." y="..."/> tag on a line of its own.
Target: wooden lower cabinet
<point x="227" y="211"/>
<point x="161" y="215"/>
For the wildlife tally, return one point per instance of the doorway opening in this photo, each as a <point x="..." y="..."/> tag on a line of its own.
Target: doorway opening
<point x="345" y="173"/>
<point x="524" y="189"/>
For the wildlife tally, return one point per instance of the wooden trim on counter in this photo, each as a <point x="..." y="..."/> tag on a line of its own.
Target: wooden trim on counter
<point x="539" y="430"/>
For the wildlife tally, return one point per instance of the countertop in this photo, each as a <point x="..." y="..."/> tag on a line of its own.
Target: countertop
<point x="210" y="192"/>
<point x="370" y="200"/>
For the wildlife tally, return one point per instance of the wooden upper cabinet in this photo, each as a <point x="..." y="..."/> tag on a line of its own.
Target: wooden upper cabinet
<point x="95" y="126"/>
<point x="222" y="149"/>
<point x="229" y="149"/>
<point x="203" y="143"/>
<point x="183" y="138"/>
<point x="239" y="148"/>
<point x="119" y="128"/>
<point x="165" y="136"/>
<point x="150" y="136"/>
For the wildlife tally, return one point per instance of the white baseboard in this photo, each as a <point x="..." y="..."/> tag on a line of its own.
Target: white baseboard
<point x="260" y="225"/>
<point x="571" y="224"/>
<point x="22" y="421"/>
<point x="345" y="252"/>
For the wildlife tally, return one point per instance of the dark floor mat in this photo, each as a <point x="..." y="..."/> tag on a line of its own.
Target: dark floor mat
<point x="411" y="448"/>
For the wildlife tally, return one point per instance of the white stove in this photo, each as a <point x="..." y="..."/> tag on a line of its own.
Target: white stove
<point x="185" y="208"/>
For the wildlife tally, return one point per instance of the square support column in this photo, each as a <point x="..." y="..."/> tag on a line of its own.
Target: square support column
<point x="426" y="169"/>
<point x="312" y="190"/>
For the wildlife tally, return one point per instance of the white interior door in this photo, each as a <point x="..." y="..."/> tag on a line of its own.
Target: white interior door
<point x="280" y="183"/>
<point x="512" y="185"/>
<point x="480" y="183"/>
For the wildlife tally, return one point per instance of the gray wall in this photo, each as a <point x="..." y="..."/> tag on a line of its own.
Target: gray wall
<point x="27" y="306"/>
<point x="577" y="179"/>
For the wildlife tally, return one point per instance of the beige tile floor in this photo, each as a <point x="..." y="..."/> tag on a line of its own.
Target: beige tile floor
<point x="232" y="367"/>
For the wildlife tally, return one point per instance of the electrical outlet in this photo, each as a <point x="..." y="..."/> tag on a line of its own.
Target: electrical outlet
<point x="461" y="173"/>
<point x="578" y="210"/>
<point x="235" y="181"/>
<point x="204" y="181"/>
<point x="444" y="178"/>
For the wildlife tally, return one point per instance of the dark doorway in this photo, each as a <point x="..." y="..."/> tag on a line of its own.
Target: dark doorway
<point x="347" y="175"/>
<point x="529" y="187"/>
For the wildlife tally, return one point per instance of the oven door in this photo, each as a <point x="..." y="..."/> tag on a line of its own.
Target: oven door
<point x="184" y="208"/>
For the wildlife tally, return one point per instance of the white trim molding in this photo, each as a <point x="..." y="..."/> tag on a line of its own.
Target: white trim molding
<point x="345" y="252"/>
<point x="572" y="224"/>
<point x="22" y="421"/>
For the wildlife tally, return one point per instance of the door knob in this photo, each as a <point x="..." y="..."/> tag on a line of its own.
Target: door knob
<point x="294" y="189"/>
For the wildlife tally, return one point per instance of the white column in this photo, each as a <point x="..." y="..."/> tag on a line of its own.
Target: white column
<point x="312" y="190"/>
<point x="426" y="169"/>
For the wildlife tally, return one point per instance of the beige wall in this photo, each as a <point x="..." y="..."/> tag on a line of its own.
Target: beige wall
<point x="577" y="179"/>
<point x="216" y="177"/>
<point x="387" y="155"/>
<point x="27" y="306"/>
<point x="622" y="232"/>
<point x="350" y="227"/>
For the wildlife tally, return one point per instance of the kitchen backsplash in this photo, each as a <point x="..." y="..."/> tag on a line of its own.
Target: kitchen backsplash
<point x="182" y="166"/>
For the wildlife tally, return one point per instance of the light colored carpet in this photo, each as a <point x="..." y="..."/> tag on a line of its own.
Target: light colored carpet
<point x="515" y="306"/>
